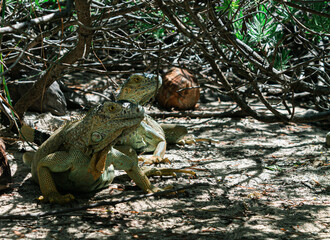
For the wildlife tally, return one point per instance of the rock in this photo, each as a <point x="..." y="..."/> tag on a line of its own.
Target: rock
<point x="170" y="96"/>
<point x="52" y="101"/>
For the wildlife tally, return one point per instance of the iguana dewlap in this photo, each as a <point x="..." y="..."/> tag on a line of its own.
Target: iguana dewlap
<point x="80" y="156"/>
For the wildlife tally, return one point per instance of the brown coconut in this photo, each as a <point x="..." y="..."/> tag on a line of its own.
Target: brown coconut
<point x="170" y="96"/>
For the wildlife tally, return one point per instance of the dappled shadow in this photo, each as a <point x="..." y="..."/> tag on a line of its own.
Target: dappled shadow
<point x="265" y="181"/>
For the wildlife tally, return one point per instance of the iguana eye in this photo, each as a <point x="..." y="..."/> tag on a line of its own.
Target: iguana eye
<point x="136" y="78"/>
<point x="96" y="137"/>
<point x="111" y="108"/>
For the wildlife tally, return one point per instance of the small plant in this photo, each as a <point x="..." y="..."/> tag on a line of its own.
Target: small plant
<point x="282" y="59"/>
<point x="262" y="29"/>
<point x="228" y="6"/>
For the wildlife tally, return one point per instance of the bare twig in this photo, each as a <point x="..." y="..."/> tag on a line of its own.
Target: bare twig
<point x="40" y="20"/>
<point x="128" y="37"/>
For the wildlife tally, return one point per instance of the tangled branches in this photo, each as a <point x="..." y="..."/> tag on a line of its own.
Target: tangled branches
<point x="268" y="52"/>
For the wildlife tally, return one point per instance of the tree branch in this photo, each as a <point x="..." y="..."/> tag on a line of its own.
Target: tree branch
<point x="55" y="70"/>
<point x="40" y="20"/>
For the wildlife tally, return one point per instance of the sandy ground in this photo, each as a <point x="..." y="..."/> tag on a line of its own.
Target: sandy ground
<point x="258" y="181"/>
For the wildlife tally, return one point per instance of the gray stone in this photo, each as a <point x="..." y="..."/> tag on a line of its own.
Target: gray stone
<point x="52" y="101"/>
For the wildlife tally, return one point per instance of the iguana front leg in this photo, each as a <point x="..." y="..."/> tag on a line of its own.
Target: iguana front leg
<point x="158" y="155"/>
<point x="152" y="134"/>
<point x="125" y="158"/>
<point x="60" y="161"/>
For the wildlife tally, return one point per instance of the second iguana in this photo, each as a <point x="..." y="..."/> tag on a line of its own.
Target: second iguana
<point x="150" y="136"/>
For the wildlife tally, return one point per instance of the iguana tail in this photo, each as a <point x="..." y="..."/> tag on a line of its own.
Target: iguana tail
<point x="27" y="133"/>
<point x="33" y="135"/>
<point x="178" y="134"/>
<point x="28" y="158"/>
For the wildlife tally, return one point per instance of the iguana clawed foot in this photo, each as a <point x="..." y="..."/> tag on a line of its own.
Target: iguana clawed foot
<point x="154" y="189"/>
<point x="56" y="198"/>
<point x="147" y="171"/>
<point x="153" y="160"/>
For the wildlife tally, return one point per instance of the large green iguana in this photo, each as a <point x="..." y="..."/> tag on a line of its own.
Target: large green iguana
<point x="80" y="155"/>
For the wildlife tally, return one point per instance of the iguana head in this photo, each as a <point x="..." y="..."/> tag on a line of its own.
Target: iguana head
<point x="140" y="88"/>
<point x="104" y="124"/>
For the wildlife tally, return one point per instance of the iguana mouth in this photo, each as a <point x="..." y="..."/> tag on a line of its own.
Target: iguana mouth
<point x="130" y="122"/>
<point x="128" y="118"/>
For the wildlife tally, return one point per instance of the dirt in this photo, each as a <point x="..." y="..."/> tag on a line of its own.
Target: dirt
<point x="256" y="181"/>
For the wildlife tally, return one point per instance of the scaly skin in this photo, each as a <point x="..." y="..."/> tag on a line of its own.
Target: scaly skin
<point x="80" y="155"/>
<point x="140" y="88"/>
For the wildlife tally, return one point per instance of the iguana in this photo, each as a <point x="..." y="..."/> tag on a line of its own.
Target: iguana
<point x="80" y="155"/>
<point x="150" y="135"/>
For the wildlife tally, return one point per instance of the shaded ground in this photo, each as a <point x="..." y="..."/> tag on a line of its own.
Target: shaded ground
<point x="261" y="181"/>
<point x="264" y="181"/>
